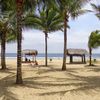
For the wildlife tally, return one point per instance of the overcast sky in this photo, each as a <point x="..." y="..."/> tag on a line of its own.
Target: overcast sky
<point x="78" y="34"/>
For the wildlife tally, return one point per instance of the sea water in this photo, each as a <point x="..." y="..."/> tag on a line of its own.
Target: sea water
<point x="50" y="55"/>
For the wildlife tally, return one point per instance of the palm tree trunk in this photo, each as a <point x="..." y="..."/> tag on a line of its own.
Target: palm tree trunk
<point x="65" y="42"/>
<point x="19" y="42"/>
<point x="90" y="56"/>
<point x="46" y="57"/>
<point x="3" y="48"/>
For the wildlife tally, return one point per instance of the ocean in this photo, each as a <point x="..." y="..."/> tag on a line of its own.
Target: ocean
<point x="50" y="55"/>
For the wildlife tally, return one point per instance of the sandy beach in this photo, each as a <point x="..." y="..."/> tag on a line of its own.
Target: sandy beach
<point x="78" y="82"/>
<point x="64" y="33"/>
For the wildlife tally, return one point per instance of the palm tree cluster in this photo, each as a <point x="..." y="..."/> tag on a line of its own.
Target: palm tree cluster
<point x="45" y="15"/>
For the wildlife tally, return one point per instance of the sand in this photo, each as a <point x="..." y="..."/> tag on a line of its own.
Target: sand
<point x="78" y="82"/>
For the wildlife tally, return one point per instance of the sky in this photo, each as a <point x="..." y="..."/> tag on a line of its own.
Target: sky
<point x="78" y="35"/>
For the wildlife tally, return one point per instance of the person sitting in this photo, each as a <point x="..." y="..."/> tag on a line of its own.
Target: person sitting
<point x="26" y="59"/>
<point x="36" y="63"/>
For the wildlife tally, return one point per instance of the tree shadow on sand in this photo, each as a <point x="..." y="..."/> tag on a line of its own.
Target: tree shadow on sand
<point x="44" y="81"/>
<point x="5" y="84"/>
<point x="79" y="83"/>
<point x="96" y="68"/>
<point x="83" y="84"/>
<point x="51" y="69"/>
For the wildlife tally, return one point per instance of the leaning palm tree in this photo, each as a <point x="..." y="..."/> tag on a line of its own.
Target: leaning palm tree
<point x="96" y="10"/>
<point x="93" y="43"/>
<point x="47" y="20"/>
<point x="69" y="8"/>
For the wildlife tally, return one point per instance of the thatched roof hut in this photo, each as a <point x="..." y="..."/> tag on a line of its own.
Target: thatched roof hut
<point x="30" y="52"/>
<point x="76" y="51"/>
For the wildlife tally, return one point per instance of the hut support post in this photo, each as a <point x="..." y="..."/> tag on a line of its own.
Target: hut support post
<point x="25" y="58"/>
<point x="84" y="59"/>
<point x="33" y="59"/>
<point x="71" y="58"/>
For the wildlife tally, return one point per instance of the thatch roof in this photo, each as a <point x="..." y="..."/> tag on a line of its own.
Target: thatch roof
<point x="76" y="51"/>
<point x="30" y="52"/>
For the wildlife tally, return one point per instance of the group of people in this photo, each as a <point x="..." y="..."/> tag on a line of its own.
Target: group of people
<point x="33" y="62"/>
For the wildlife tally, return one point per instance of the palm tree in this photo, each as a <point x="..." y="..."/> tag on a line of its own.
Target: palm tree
<point x="69" y="8"/>
<point x="5" y="29"/>
<point x="29" y="5"/>
<point x="3" y="38"/>
<point x="96" y="10"/>
<point x="46" y="20"/>
<point x="9" y="37"/>
<point x="19" y="6"/>
<point x="93" y="42"/>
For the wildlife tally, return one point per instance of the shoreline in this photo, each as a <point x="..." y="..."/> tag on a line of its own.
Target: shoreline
<point x="57" y="58"/>
<point x="52" y="55"/>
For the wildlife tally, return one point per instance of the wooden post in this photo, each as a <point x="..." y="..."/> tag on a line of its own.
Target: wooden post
<point x="71" y="58"/>
<point x="84" y="59"/>
<point x="33" y="58"/>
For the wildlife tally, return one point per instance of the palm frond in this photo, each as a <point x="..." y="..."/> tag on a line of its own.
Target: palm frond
<point x="94" y="39"/>
<point x="45" y="20"/>
<point x="79" y="12"/>
<point x="95" y="7"/>
<point x="96" y="10"/>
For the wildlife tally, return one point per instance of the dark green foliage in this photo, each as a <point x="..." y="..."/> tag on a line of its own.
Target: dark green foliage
<point x="46" y="22"/>
<point x="94" y="39"/>
<point x="94" y="42"/>
<point x="10" y="5"/>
